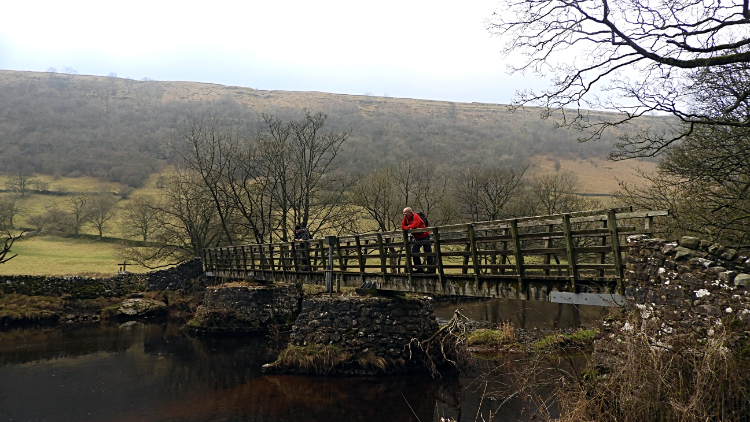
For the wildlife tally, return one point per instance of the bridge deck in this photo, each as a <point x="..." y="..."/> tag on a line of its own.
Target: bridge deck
<point x="569" y="252"/>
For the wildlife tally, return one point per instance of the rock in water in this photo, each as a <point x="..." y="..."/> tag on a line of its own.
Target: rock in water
<point x="138" y="308"/>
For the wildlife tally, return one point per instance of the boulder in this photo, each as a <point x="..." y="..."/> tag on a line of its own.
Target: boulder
<point x="742" y="280"/>
<point x="141" y="308"/>
<point x="690" y="242"/>
<point x="683" y="253"/>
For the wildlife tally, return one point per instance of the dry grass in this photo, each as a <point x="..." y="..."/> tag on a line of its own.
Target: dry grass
<point x="313" y="358"/>
<point x="15" y="307"/>
<point x="683" y="378"/>
<point x="596" y="175"/>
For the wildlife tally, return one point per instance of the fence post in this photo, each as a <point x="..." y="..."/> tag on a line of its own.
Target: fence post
<point x="382" y="255"/>
<point x="517" y="252"/>
<point x="330" y="241"/>
<point x="438" y="254"/>
<point x="360" y="257"/>
<point x="569" y="249"/>
<point x="407" y="251"/>
<point x="615" y="240"/>
<point x="474" y="252"/>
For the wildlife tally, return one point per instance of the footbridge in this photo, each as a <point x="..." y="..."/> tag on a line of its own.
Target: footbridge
<point x="575" y="257"/>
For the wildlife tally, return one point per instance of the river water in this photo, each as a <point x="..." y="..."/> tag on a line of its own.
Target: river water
<point x="155" y="372"/>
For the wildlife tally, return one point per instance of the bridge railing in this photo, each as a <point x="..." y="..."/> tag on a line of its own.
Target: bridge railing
<point x="576" y="246"/>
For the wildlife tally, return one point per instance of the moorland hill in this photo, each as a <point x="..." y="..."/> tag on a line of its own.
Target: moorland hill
<point x="118" y="129"/>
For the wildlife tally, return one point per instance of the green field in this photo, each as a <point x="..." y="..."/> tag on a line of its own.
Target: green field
<point x="52" y="255"/>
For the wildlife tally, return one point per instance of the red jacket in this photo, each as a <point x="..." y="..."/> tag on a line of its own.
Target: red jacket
<point x="414" y="222"/>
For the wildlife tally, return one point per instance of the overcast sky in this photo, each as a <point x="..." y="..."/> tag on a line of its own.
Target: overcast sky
<point x="432" y="49"/>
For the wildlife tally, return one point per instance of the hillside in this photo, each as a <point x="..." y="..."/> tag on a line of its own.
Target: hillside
<point x="117" y="129"/>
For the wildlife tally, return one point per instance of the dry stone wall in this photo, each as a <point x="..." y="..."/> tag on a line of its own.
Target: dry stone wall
<point x="362" y="325"/>
<point x="180" y="277"/>
<point x="237" y="308"/>
<point x="689" y="283"/>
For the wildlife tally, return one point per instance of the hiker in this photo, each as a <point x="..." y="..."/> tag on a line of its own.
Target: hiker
<point x="413" y="221"/>
<point x="300" y="235"/>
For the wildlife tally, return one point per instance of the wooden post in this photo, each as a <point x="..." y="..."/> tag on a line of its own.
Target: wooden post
<point x="320" y="254"/>
<point x="504" y="258"/>
<point x="614" y="238"/>
<point x="271" y="259"/>
<point x="244" y="261"/>
<point x="252" y="258"/>
<point x="295" y="258"/>
<point x="603" y="255"/>
<point x="381" y="249"/>
<point x="407" y="251"/>
<point x="360" y="257"/>
<point x="342" y="266"/>
<point x="548" y="245"/>
<point x="262" y="261"/>
<point x="570" y="250"/>
<point x="438" y="254"/>
<point x="474" y="252"/>
<point x="517" y="252"/>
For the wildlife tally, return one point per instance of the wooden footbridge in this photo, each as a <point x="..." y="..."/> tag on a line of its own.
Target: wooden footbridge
<point x="575" y="257"/>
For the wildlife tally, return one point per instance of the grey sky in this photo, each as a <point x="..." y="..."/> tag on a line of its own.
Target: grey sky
<point x="406" y="48"/>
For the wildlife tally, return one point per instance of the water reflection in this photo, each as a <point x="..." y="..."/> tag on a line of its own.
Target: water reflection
<point x="155" y="372"/>
<point x="524" y="314"/>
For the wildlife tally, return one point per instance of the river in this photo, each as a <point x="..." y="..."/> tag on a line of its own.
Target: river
<point x="155" y="372"/>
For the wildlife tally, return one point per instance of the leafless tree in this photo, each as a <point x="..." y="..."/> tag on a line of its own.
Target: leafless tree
<point x="266" y="183"/>
<point x="20" y="179"/>
<point x="79" y="210"/>
<point x="102" y="210"/>
<point x="8" y="240"/>
<point x="636" y="58"/>
<point x="141" y="217"/>
<point x="187" y="224"/>
<point x="483" y="194"/>
<point x="10" y="207"/>
<point x="377" y="194"/>
<point x="555" y="193"/>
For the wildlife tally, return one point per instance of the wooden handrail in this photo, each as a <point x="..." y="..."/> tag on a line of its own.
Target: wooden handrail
<point x="590" y="245"/>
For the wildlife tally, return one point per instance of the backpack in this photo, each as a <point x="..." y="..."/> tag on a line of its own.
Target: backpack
<point x="423" y="217"/>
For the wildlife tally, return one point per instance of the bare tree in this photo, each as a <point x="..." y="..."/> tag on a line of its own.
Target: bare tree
<point x="482" y="194"/>
<point x="8" y="240"/>
<point x="141" y="217"/>
<point x="187" y="224"/>
<point x="102" y="210"/>
<point x="10" y="207"/>
<point x="209" y="153"/>
<point x="377" y="194"/>
<point x="555" y="193"/>
<point x="79" y="210"/>
<point x="265" y="184"/>
<point x="21" y="179"/>
<point x="635" y="58"/>
<point x="309" y="191"/>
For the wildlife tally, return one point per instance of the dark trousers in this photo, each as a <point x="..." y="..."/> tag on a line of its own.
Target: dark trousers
<point x="301" y="247"/>
<point x="430" y="260"/>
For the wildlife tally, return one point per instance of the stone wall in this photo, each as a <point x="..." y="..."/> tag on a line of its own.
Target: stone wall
<point x="379" y="326"/>
<point x="236" y="308"/>
<point x="77" y="287"/>
<point x="179" y="277"/>
<point x="690" y="283"/>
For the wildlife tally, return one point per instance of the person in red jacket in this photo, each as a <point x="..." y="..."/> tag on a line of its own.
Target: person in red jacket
<point x="412" y="221"/>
